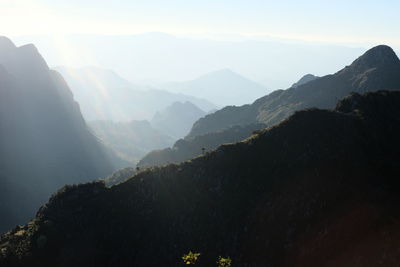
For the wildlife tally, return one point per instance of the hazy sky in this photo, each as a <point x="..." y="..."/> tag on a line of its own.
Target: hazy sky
<point x="336" y="21"/>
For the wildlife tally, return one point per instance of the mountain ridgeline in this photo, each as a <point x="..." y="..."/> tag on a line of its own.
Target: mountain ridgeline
<point x="377" y="69"/>
<point x="44" y="140"/>
<point x="319" y="189"/>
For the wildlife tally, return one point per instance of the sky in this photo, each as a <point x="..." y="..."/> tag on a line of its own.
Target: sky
<point x="339" y="21"/>
<point x="152" y="41"/>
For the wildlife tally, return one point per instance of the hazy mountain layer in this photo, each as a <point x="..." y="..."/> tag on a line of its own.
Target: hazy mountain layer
<point x="103" y="95"/>
<point x="44" y="140"/>
<point x="130" y="140"/>
<point x="177" y="119"/>
<point x="377" y="69"/>
<point x="319" y="189"/>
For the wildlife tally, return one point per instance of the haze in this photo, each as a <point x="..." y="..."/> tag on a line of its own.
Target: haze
<point x="273" y="43"/>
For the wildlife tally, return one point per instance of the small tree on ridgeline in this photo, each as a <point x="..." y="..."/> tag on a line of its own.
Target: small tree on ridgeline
<point x="224" y="262"/>
<point x="190" y="258"/>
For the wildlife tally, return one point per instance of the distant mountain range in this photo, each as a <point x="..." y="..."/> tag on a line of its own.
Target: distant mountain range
<point x="103" y="95"/>
<point x="223" y="88"/>
<point x="44" y="140"/>
<point x="161" y="57"/>
<point x="318" y="189"/>
<point x="378" y="68"/>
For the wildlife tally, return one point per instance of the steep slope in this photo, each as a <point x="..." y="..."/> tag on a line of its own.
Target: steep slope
<point x="177" y="119"/>
<point x="223" y="87"/>
<point x="319" y="189"/>
<point x="305" y="79"/>
<point x="103" y="95"/>
<point x="377" y="69"/>
<point x="130" y="140"/>
<point x="44" y="140"/>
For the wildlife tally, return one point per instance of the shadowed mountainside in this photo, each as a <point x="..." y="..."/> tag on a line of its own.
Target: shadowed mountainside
<point x="319" y="189"/>
<point x="44" y="140"/>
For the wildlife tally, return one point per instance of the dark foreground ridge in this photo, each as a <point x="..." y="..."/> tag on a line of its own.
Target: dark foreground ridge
<point x="319" y="189"/>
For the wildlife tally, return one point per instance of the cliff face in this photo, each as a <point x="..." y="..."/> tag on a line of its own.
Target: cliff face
<point x="319" y="189"/>
<point x="44" y="140"/>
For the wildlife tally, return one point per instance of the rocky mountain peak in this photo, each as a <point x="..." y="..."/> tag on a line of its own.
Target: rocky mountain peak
<point x="376" y="57"/>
